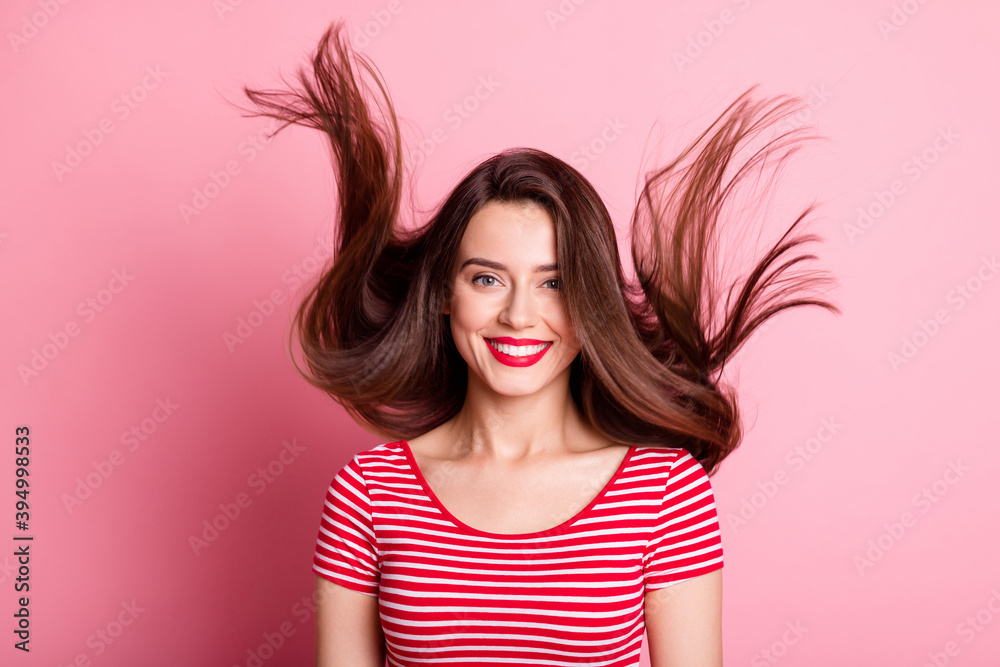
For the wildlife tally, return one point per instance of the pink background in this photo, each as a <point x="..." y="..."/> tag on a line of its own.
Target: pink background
<point x="880" y="437"/>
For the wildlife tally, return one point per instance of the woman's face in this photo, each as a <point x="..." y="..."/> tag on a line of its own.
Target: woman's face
<point x="505" y="289"/>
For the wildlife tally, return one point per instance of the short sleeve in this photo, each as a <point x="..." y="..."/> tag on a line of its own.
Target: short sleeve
<point x="347" y="547"/>
<point x="686" y="541"/>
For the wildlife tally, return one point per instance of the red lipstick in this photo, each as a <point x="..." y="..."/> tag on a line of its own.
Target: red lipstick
<point x="510" y="360"/>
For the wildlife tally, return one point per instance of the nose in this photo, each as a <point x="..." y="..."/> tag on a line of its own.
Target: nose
<point x="519" y="311"/>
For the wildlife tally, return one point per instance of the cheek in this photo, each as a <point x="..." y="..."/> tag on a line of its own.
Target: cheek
<point x="560" y="319"/>
<point x="571" y="338"/>
<point x="468" y="315"/>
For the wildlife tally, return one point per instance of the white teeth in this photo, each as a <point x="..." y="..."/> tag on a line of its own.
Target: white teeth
<point x="519" y="350"/>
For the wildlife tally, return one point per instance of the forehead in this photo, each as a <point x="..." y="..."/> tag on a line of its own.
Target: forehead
<point x="512" y="231"/>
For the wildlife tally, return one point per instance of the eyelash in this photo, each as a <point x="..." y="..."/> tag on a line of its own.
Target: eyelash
<point x="486" y="275"/>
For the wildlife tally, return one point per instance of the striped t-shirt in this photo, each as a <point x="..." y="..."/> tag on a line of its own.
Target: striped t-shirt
<point x="450" y="594"/>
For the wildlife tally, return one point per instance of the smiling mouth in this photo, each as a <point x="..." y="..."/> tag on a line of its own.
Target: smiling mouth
<point x="518" y="350"/>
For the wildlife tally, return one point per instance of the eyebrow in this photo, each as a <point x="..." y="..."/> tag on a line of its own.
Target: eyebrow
<point x="541" y="268"/>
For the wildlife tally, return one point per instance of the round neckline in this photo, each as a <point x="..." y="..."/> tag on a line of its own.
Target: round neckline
<point x="484" y="533"/>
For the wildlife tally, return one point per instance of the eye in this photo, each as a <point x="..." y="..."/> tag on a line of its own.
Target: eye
<point x="485" y="276"/>
<point x="556" y="281"/>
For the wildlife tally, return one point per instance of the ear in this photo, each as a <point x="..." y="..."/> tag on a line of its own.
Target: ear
<point x="446" y="309"/>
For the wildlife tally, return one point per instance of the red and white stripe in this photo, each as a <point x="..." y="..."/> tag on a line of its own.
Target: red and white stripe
<point x="450" y="594"/>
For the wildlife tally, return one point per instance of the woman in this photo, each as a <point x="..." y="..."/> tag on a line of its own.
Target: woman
<point x="542" y="496"/>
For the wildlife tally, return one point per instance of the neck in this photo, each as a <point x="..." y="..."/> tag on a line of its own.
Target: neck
<point x="511" y="428"/>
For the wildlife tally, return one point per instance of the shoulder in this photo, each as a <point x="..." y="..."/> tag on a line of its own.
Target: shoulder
<point x="380" y="456"/>
<point x="661" y="455"/>
<point x="435" y="444"/>
<point x="381" y="451"/>
<point x="673" y="465"/>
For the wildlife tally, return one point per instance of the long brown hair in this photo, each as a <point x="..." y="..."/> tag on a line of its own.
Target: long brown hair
<point x="371" y="328"/>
